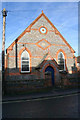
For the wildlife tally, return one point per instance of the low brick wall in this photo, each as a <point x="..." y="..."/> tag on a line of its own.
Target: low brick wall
<point x="26" y="85"/>
<point x="73" y="80"/>
<point x="69" y="80"/>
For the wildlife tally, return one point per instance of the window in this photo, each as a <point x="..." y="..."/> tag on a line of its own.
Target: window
<point x="25" y="62"/>
<point x="61" y="61"/>
<point x="43" y="30"/>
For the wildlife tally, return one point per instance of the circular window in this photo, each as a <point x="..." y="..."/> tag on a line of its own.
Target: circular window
<point x="43" y="30"/>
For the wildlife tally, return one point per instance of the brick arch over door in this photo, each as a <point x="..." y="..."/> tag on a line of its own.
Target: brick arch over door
<point x="24" y="48"/>
<point x="54" y="68"/>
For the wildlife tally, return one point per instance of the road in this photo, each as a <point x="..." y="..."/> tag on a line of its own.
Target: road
<point x="54" y="107"/>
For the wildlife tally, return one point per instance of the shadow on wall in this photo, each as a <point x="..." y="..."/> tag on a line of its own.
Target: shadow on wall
<point x="37" y="79"/>
<point x="15" y="81"/>
<point x="27" y="85"/>
<point x="37" y="72"/>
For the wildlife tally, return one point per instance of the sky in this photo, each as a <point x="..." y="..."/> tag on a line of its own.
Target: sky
<point x="64" y="15"/>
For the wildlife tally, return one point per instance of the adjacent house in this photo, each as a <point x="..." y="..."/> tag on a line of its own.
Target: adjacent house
<point x="78" y="62"/>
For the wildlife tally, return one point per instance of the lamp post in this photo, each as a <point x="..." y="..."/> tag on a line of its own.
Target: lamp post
<point x="4" y="13"/>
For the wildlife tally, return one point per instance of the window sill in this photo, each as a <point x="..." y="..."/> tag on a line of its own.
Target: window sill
<point x="25" y="72"/>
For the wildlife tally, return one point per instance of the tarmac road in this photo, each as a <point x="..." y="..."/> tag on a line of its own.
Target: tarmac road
<point x="66" y="106"/>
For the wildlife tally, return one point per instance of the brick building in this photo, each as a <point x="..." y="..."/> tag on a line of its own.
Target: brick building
<point x="78" y="63"/>
<point x="39" y="48"/>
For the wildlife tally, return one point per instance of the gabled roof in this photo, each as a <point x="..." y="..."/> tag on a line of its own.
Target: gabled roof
<point x="43" y="60"/>
<point x="29" y="28"/>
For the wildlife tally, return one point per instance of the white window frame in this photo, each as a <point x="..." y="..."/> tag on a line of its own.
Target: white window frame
<point x="64" y="61"/>
<point x="25" y="60"/>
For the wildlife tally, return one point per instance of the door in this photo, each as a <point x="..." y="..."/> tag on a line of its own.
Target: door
<point x="50" y="69"/>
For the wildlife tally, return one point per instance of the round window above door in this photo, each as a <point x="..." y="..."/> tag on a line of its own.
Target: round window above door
<point x="43" y="30"/>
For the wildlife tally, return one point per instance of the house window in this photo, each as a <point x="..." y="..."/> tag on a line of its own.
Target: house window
<point x="61" y="61"/>
<point x="25" y="62"/>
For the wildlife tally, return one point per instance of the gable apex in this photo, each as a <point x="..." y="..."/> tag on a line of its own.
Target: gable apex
<point x="28" y="29"/>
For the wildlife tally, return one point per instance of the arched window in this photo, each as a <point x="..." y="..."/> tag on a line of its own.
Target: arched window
<point x="61" y="61"/>
<point x="25" y="62"/>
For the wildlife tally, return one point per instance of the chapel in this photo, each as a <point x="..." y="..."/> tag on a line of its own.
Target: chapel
<point x="40" y="50"/>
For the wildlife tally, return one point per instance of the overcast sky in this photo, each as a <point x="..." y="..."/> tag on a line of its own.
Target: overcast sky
<point x="64" y="15"/>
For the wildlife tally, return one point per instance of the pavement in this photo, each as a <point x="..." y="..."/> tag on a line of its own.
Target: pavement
<point x="50" y="93"/>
